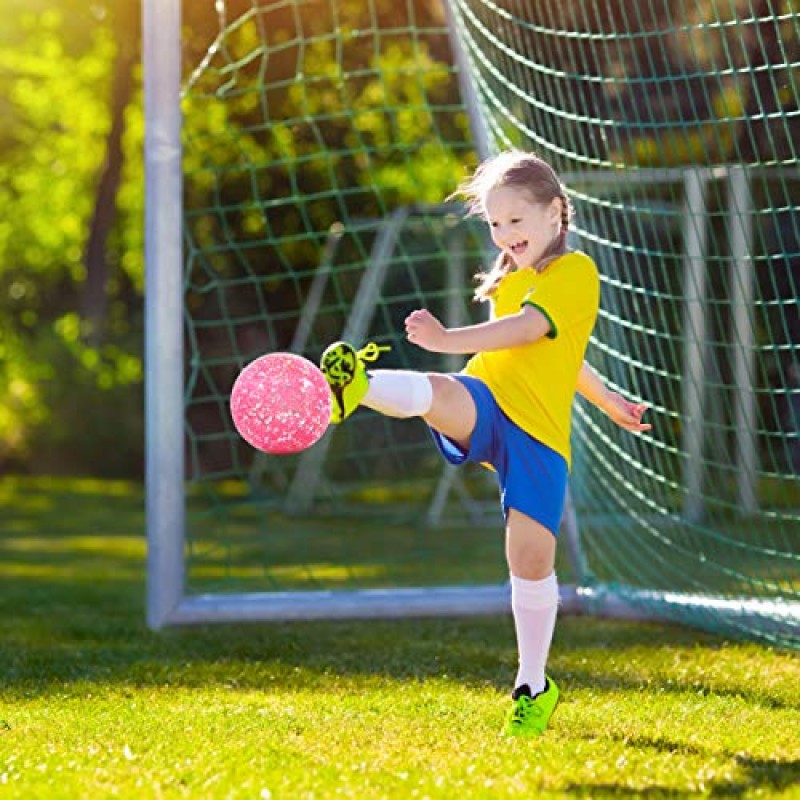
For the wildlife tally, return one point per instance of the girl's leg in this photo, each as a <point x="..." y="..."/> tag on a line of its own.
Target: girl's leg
<point x="530" y="547"/>
<point x="530" y="550"/>
<point x="441" y="400"/>
<point x="453" y="411"/>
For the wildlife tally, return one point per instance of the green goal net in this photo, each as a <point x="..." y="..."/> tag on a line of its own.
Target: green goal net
<point x="675" y="125"/>
<point x="320" y="138"/>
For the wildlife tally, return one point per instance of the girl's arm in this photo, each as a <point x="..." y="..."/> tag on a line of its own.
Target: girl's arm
<point x="524" y="327"/>
<point x="626" y="414"/>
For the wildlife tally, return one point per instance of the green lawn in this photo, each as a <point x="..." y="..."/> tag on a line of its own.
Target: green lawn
<point x="95" y="705"/>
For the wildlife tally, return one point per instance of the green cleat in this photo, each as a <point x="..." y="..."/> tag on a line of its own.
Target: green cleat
<point x="344" y="368"/>
<point x="529" y="715"/>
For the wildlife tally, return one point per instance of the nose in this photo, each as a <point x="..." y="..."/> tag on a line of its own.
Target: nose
<point x="503" y="232"/>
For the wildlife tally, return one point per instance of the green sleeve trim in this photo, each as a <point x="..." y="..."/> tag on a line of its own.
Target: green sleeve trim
<point x="553" y="332"/>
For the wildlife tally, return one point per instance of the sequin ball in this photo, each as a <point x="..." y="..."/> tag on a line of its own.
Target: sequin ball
<point x="280" y="403"/>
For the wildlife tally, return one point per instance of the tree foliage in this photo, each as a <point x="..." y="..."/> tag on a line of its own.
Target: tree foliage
<point x="55" y="71"/>
<point x="71" y="174"/>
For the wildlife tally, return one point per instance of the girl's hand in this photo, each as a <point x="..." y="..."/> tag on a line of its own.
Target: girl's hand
<point x="425" y="331"/>
<point x="626" y="414"/>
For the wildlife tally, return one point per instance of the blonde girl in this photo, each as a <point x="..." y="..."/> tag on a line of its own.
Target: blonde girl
<point x="510" y="408"/>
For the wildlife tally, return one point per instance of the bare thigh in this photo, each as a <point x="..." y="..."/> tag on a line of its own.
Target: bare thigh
<point x="530" y="547"/>
<point x="453" y="411"/>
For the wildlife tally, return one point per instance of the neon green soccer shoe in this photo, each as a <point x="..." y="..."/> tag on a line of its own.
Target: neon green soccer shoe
<point x="345" y="370"/>
<point x="529" y="715"/>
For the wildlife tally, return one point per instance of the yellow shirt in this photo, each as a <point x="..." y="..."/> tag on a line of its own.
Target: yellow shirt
<point x="535" y="383"/>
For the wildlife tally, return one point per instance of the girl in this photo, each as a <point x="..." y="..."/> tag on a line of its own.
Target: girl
<point x="511" y="406"/>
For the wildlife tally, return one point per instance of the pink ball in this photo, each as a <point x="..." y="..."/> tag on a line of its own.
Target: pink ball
<point x="280" y="403"/>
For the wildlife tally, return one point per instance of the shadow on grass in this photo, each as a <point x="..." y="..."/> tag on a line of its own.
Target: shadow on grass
<point x="760" y="773"/>
<point x="756" y="773"/>
<point x="54" y="635"/>
<point x="598" y="679"/>
<point x="87" y="633"/>
<point x="72" y="611"/>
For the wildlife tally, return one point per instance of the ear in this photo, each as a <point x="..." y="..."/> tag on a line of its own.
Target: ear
<point x="554" y="211"/>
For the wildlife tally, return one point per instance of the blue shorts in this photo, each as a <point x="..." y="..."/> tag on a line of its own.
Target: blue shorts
<point x="532" y="476"/>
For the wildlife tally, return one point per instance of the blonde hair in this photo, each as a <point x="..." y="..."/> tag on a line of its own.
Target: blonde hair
<point x="520" y="170"/>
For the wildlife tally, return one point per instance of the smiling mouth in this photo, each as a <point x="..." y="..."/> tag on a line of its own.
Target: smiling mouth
<point x="518" y="248"/>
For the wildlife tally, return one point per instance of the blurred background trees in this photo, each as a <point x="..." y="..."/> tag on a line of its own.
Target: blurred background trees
<point x="71" y="217"/>
<point x="70" y="270"/>
<point x="71" y="178"/>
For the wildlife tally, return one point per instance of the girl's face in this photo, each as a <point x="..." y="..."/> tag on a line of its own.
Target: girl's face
<point x="521" y="227"/>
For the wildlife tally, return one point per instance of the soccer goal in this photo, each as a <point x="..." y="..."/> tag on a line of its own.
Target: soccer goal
<point x="297" y="157"/>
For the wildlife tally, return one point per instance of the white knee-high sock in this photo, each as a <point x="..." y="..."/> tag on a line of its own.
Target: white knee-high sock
<point x="399" y="393"/>
<point x="534" y="605"/>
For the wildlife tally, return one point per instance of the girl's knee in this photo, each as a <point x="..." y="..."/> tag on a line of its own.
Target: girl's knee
<point x="530" y="547"/>
<point x="453" y="412"/>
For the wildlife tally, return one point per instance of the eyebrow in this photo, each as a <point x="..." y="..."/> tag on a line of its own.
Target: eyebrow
<point x="509" y="214"/>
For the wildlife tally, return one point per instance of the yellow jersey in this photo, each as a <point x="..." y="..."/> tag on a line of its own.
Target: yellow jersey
<point x="534" y="384"/>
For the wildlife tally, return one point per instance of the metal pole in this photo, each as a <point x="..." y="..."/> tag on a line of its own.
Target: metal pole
<point x="694" y="354"/>
<point x="743" y="337"/>
<point x="163" y="310"/>
<point x="572" y="538"/>
<point x="455" y="314"/>
<point x="300" y="496"/>
<point x="302" y="333"/>
<point x="454" y="317"/>
<point x="455" y="31"/>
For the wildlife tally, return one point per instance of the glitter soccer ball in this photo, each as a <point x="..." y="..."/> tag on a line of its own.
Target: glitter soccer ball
<point x="280" y="403"/>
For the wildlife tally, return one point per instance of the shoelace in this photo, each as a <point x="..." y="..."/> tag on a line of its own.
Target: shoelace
<point x="525" y="707"/>
<point x="371" y="351"/>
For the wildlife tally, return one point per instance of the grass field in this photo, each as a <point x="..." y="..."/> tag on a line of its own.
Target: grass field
<point x="94" y="705"/>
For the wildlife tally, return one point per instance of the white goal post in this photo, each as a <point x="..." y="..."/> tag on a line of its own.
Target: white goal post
<point x="169" y="602"/>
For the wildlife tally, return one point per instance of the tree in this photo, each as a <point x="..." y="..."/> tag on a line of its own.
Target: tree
<point x="55" y="65"/>
<point x="125" y="26"/>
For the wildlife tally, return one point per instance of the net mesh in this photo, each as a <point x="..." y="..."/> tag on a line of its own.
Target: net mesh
<point x="320" y="139"/>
